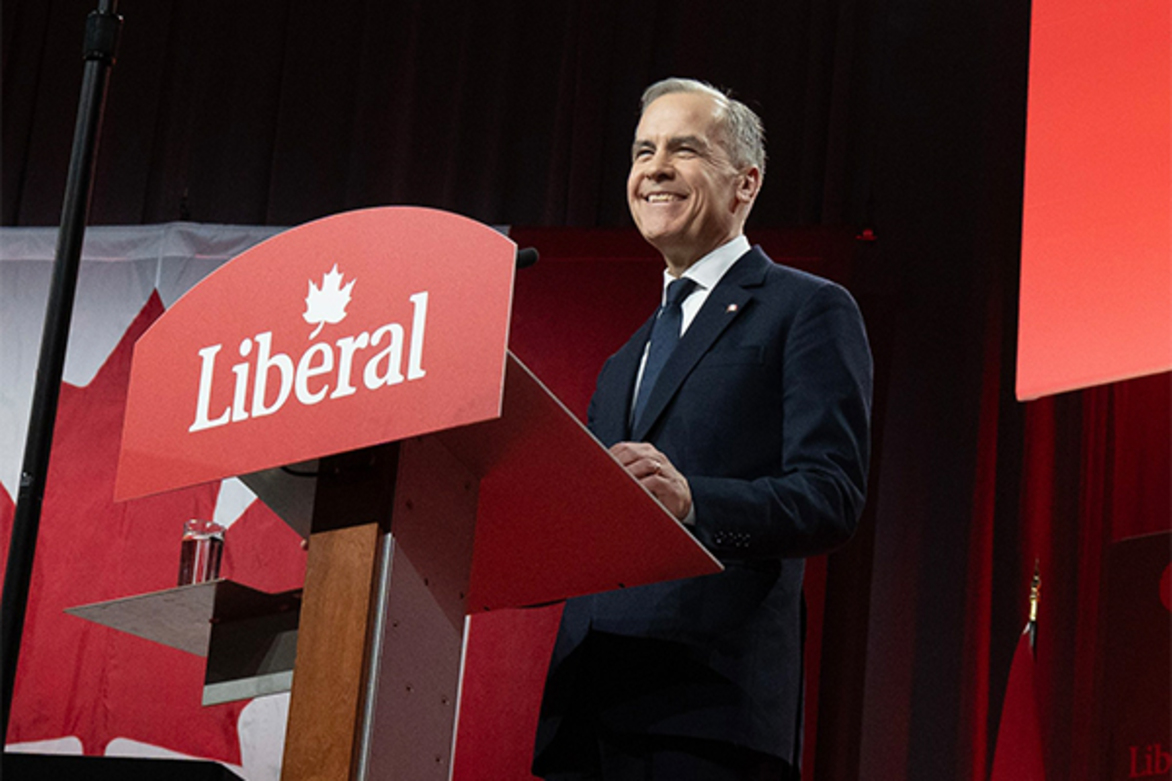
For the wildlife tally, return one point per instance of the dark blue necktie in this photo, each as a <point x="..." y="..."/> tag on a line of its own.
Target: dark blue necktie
<point x="665" y="333"/>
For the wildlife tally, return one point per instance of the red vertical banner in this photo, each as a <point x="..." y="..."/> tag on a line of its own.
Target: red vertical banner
<point x="1096" y="268"/>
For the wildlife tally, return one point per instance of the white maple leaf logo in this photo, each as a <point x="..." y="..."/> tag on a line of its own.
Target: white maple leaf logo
<point x="327" y="304"/>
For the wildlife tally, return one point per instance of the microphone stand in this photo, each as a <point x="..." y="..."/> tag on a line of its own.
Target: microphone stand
<point x="101" y="42"/>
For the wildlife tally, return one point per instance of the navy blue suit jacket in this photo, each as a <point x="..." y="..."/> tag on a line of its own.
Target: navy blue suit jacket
<point x="764" y="407"/>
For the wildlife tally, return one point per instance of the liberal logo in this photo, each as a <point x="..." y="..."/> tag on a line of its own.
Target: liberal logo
<point x="328" y="303"/>
<point x="324" y="370"/>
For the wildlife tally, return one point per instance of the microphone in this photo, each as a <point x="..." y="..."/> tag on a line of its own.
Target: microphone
<point x="526" y="257"/>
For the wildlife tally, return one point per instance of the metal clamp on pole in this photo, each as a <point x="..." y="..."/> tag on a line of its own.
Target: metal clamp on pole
<point x="102" y="30"/>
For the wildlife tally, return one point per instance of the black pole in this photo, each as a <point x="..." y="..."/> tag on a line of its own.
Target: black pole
<point x="101" y="42"/>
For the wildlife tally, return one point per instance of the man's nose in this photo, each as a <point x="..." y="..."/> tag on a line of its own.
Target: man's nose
<point x="659" y="169"/>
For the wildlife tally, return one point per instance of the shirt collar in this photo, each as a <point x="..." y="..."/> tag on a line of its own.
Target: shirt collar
<point x="708" y="270"/>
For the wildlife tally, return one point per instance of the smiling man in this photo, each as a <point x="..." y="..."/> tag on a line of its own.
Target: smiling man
<point x="687" y="194"/>
<point x="743" y="405"/>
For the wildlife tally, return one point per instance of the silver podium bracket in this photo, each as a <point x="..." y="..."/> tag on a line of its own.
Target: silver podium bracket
<point x="177" y="617"/>
<point x="288" y="491"/>
<point x="248" y="636"/>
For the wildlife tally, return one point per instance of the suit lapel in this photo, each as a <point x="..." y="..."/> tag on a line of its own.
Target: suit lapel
<point x="614" y="406"/>
<point x="724" y="304"/>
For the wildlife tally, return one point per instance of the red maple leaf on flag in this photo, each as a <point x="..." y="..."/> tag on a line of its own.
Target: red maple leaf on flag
<point x="81" y="679"/>
<point x="328" y="303"/>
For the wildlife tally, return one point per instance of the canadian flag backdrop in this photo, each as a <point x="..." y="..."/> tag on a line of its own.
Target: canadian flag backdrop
<point x="82" y="688"/>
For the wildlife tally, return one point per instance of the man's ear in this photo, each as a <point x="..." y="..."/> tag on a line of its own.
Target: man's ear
<point x="749" y="185"/>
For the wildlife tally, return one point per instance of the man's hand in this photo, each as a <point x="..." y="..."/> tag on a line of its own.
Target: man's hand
<point x="657" y="474"/>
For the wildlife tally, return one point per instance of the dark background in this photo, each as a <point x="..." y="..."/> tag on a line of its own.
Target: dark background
<point x="902" y="117"/>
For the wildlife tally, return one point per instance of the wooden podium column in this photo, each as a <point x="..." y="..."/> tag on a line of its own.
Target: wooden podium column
<point x="355" y="492"/>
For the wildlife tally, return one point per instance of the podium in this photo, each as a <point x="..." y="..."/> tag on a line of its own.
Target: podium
<point x="437" y="476"/>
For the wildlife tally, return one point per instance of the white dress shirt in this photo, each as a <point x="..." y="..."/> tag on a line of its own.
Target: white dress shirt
<point x="706" y="273"/>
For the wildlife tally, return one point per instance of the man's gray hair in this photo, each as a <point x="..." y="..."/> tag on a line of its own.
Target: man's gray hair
<point x="744" y="134"/>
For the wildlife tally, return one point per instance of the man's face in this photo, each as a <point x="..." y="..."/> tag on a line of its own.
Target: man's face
<point x="686" y="196"/>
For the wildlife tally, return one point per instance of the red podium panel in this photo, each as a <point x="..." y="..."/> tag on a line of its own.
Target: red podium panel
<point x="550" y="493"/>
<point x="356" y="329"/>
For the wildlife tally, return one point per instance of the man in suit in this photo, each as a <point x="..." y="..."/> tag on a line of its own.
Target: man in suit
<point x="743" y="405"/>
